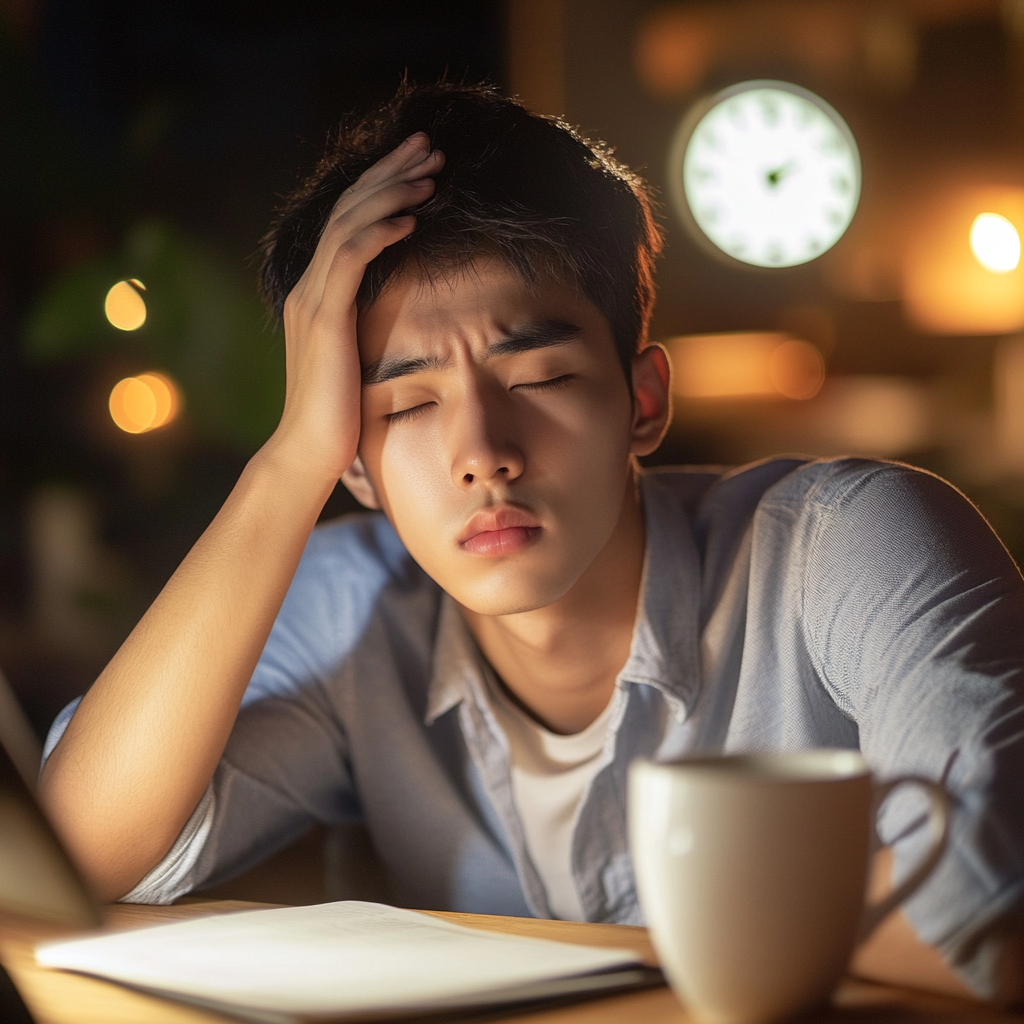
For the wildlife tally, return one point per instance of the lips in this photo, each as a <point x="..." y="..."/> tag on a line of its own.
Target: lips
<point x="500" y="531"/>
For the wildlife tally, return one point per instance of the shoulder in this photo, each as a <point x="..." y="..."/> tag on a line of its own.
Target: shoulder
<point x="865" y="528"/>
<point x="834" y="484"/>
<point x="887" y="505"/>
<point x="846" y="493"/>
<point x="829" y="510"/>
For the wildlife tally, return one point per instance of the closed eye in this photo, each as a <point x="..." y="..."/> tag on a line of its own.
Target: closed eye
<point x="553" y="383"/>
<point x="408" y="414"/>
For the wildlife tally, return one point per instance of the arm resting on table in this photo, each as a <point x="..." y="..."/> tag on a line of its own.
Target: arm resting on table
<point x="895" y="955"/>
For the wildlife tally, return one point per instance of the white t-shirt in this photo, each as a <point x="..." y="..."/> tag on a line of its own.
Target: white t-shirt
<point x="550" y="774"/>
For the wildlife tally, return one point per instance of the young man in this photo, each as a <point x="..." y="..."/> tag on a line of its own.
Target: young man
<point x="471" y="672"/>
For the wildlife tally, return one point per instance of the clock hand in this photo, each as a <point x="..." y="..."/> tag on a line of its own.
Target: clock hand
<point x="774" y="177"/>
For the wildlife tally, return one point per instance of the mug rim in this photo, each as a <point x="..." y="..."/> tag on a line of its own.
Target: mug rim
<point x="825" y="764"/>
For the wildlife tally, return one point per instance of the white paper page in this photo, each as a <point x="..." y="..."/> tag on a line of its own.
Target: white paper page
<point x="335" y="958"/>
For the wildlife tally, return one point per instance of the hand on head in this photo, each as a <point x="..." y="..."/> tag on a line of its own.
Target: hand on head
<point x="320" y="423"/>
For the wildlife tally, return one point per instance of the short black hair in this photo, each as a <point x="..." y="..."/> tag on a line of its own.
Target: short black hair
<point x="525" y="188"/>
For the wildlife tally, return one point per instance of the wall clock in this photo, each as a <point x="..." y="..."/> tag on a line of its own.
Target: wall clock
<point x="766" y="173"/>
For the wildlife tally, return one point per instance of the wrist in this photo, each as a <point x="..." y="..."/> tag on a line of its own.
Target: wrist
<point x="294" y="469"/>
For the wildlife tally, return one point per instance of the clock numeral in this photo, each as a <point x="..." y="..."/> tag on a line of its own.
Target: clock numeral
<point x="704" y="174"/>
<point x="840" y="184"/>
<point x="737" y="115"/>
<point x="737" y="246"/>
<point x="769" y="113"/>
<point x="814" y="244"/>
<point x="709" y="138"/>
<point x="808" y="114"/>
<point x="834" y="217"/>
<point x="710" y="214"/>
<point x="774" y="252"/>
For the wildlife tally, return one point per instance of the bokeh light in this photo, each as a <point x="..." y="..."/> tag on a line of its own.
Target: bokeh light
<point x="947" y="288"/>
<point x="995" y="243"/>
<point x="143" y="403"/>
<point x="747" y="364"/>
<point x="796" y="369"/>
<point x="124" y="306"/>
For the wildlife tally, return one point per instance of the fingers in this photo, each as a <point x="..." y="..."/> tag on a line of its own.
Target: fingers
<point x="384" y="204"/>
<point x="361" y="191"/>
<point x="410" y="153"/>
<point x="398" y="181"/>
<point x="345" y="272"/>
<point x="412" y="159"/>
<point x="380" y="204"/>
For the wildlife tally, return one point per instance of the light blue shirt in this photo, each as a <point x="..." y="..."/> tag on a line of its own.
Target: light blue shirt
<point x="785" y="605"/>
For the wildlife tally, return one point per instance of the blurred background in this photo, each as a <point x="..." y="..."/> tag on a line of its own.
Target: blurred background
<point x="143" y="148"/>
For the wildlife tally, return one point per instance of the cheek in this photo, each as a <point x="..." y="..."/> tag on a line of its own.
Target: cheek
<point x="408" y="470"/>
<point x="585" y="444"/>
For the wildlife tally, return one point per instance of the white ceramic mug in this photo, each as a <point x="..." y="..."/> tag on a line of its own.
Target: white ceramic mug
<point x="752" y="873"/>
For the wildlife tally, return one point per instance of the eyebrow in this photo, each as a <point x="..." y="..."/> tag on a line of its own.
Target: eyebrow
<point x="542" y="334"/>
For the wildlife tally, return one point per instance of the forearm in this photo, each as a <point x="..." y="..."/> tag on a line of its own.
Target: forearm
<point x="895" y="955"/>
<point x="143" y="745"/>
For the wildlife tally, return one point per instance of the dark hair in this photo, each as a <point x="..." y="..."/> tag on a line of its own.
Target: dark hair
<point x="515" y="185"/>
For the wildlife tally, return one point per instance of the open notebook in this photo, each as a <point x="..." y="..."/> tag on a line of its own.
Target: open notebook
<point x="336" y="961"/>
<point x="343" y="961"/>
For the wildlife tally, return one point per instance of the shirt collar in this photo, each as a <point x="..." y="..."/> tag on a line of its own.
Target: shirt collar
<point x="456" y="668"/>
<point x="665" y="649"/>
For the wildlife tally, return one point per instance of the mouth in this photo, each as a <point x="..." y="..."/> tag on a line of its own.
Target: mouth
<point x="500" y="531"/>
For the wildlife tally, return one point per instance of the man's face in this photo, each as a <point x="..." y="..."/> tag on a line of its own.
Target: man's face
<point x="496" y="432"/>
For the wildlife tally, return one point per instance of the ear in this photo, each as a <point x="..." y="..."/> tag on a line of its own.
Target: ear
<point x="356" y="479"/>
<point x="652" y="399"/>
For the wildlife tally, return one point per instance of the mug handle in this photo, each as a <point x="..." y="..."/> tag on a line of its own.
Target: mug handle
<point x="938" y="828"/>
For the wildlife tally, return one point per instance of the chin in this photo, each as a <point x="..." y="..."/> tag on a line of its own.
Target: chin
<point x="510" y="593"/>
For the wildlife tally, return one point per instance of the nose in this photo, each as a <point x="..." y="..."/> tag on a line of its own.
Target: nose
<point x="484" y="450"/>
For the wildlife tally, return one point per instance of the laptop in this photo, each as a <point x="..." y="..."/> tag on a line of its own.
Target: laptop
<point x="37" y="878"/>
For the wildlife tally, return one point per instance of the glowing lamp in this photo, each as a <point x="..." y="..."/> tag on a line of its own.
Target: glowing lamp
<point x="144" y="403"/>
<point x="748" y="364"/>
<point x="962" y="272"/>
<point x="995" y="243"/>
<point x="124" y="306"/>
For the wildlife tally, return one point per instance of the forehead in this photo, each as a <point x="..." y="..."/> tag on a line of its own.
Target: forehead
<point x="472" y="305"/>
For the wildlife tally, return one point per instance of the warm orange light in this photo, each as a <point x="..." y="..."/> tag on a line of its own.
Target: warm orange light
<point x="124" y="306"/>
<point x="143" y="403"/>
<point x="947" y="289"/>
<point x="673" y="50"/>
<point x="995" y="243"/>
<point x="746" y="365"/>
<point x="796" y="369"/>
<point x="869" y="415"/>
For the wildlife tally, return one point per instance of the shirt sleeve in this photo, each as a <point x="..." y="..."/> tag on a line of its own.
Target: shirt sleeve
<point x="915" y="617"/>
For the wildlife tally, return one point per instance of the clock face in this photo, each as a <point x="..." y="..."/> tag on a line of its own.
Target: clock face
<point x="770" y="174"/>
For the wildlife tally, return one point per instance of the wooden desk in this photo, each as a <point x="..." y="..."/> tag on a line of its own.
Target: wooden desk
<point x="58" y="998"/>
